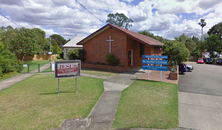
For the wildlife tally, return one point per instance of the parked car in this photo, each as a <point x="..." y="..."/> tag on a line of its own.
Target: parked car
<point x="219" y="61"/>
<point x="200" y="60"/>
<point x="189" y="67"/>
<point x="182" y="68"/>
<point x="210" y="60"/>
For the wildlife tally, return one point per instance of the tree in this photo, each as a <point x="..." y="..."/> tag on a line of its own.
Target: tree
<point x="8" y="61"/>
<point x="23" y="41"/>
<point x="213" y="44"/>
<point x="176" y="51"/>
<point x="120" y="20"/>
<point x="202" y="23"/>
<point x="217" y="30"/>
<point x="55" y="38"/>
<point x="158" y="38"/>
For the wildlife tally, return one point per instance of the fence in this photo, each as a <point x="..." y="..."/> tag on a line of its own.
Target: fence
<point x="41" y="57"/>
<point x="28" y="68"/>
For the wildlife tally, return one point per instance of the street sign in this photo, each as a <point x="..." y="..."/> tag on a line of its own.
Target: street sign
<point x="160" y="62"/>
<point x="156" y="68"/>
<point x="154" y="56"/>
<point x="50" y="53"/>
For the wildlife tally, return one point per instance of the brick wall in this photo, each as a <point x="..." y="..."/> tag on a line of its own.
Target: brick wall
<point x="97" y="48"/>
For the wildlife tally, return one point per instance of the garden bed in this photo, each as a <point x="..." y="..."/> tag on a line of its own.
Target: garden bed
<point x="103" y="67"/>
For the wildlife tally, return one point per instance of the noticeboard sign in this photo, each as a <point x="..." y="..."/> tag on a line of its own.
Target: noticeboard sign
<point x="154" y="56"/>
<point x="156" y="68"/>
<point x="160" y="62"/>
<point x="67" y="69"/>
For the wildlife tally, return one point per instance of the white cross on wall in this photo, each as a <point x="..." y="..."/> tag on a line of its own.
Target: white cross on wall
<point x="110" y="40"/>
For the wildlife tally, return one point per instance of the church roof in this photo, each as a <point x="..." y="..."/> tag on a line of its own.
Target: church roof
<point x="73" y="42"/>
<point x="136" y="36"/>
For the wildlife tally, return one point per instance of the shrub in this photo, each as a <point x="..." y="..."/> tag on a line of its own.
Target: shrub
<point x="58" y="57"/>
<point x="112" y="60"/>
<point x="8" y="62"/>
<point x="77" y="54"/>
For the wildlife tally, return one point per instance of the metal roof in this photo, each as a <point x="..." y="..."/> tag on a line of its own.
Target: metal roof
<point x="73" y="42"/>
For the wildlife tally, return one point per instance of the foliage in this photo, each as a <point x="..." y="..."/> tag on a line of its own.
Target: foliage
<point x="120" y="20"/>
<point x="213" y="44"/>
<point x="8" y="62"/>
<point x="176" y="51"/>
<point x="77" y="54"/>
<point x="24" y="41"/>
<point x="217" y="30"/>
<point x="112" y="60"/>
<point x="158" y="38"/>
<point x="56" y="49"/>
<point x="55" y="38"/>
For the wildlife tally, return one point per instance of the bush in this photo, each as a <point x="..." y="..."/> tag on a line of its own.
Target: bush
<point x="77" y="54"/>
<point x="58" y="57"/>
<point x="8" y="62"/>
<point x="112" y="60"/>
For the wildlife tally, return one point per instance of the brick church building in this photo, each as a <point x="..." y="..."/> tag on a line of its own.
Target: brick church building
<point x="126" y="45"/>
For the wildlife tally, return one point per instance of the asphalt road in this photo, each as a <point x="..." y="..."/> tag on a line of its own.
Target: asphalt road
<point x="204" y="79"/>
<point x="200" y="98"/>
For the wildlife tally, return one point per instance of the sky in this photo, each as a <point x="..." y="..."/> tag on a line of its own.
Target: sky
<point x="71" y="18"/>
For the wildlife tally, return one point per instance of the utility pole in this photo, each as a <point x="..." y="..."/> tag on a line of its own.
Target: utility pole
<point x="50" y="51"/>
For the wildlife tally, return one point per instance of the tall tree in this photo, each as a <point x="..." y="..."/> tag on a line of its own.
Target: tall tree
<point x="202" y="23"/>
<point x="217" y="30"/>
<point x="213" y="44"/>
<point x="55" y="38"/>
<point x="176" y="51"/>
<point x="120" y="20"/>
<point x="158" y="38"/>
<point x="24" y="41"/>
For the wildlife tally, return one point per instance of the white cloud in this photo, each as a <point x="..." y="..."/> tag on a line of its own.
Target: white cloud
<point x="69" y="18"/>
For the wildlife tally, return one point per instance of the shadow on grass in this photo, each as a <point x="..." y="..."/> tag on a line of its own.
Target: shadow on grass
<point x="56" y="92"/>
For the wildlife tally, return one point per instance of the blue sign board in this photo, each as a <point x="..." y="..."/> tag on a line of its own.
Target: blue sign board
<point x="154" y="56"/>
<point x="156" y="68"/>
<point x="161" y="62"/>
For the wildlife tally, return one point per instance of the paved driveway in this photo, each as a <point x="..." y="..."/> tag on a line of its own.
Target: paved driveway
<point x="200" y="98"/>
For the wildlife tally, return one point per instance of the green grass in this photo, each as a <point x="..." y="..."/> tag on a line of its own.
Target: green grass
<point x="34" y="103"/>
<point x="33" y="65"/>
<point x="93" y="72"/>
<point x="148" y="104"/>
<point x="98" y="72"/>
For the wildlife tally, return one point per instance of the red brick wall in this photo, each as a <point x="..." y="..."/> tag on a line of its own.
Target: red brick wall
<point x="97" y="48"/>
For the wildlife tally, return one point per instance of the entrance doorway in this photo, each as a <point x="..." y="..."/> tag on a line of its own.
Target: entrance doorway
<point x="130" y="58"/>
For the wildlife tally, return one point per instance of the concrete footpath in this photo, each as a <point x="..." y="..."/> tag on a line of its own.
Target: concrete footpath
<point x="103" y="114"/>
<point x="9" y="82"/>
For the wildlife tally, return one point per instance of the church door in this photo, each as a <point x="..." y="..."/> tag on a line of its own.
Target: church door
<point x="130" y="58"/>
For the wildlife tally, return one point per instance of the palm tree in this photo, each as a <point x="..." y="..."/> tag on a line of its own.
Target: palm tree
<point x="202" y="23"/>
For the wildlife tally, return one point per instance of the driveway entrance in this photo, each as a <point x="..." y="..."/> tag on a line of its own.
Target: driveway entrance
<point x="200" y="98"/>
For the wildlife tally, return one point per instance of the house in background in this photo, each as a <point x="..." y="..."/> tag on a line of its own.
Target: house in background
<point x="72" y="45"/>
<point x="126" y="45"/>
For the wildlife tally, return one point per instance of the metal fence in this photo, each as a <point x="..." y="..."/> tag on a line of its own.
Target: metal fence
<point x="30" y="68"/>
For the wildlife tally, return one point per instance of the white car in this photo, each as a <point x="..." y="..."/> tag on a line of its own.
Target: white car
<point x="189" y="67"/>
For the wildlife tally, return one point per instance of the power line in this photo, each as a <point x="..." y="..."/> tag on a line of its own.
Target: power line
<point x="89" y="11"/>
<point x="9" y="19"/>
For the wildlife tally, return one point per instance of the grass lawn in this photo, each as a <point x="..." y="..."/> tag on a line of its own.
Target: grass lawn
<point x="34" y="103"/>
<point x="98" y="72"/>
<point x="33" y="65"/>
<point x="148" y="104"/>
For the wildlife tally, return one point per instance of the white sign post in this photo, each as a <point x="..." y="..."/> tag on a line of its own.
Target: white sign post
<point x="68" y="69"/>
